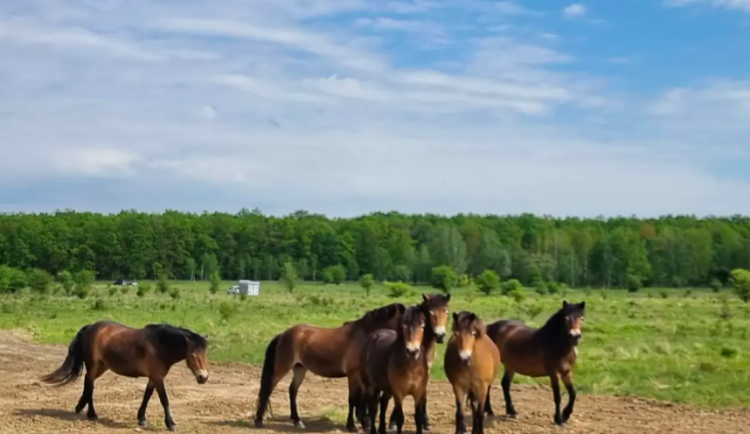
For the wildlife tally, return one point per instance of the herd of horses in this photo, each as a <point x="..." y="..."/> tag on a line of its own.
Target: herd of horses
<point x="385" y="354"/>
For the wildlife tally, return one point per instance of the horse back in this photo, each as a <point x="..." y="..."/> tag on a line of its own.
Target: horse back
<point x="520" y="349"/>
<point x="319" y="349"/>
<point x="125" y="350"/>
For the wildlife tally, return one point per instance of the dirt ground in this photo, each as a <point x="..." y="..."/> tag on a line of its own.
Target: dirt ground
<point x="226" y="403"/>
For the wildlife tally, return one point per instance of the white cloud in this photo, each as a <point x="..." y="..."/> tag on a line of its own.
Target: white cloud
<point x="743" y="5"/>
<point x="574" y="11"/>
<point x="311" y="104"/>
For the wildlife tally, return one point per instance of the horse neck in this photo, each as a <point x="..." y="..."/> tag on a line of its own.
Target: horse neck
<point x="429" y="338"/>
<point x="554" y="335"/>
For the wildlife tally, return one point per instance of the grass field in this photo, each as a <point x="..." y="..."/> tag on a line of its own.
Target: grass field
<point x="679" y="345"/>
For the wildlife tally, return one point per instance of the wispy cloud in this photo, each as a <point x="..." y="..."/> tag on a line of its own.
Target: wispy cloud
<point x="742" y="5"/>
<point x="574" y="11"/>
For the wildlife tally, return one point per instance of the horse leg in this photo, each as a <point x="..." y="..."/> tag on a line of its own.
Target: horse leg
<point x="568" y="380"/>
<point x="487" y="405"/>
<point x="426" y="424"/>
<point x="371" y="397"/>
<point x="168" y="421"/>
<point x="146" y="397"/>
<point x="299" y="377"/>
<point x="398" y="413"/>
<point x="477" y="426"/>
<point x="555" y="381"/>
<point x="97" y="369"/>
<point x="507" y="380"/>
<point x="384" y="398"/>
<point x="460" y="418"/>
<point x="355" y="405"/>
<point x="392" y="425"/>
<point x="420" y="404"/>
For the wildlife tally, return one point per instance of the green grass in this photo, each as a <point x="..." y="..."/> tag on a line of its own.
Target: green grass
<point x="660" y="343"/>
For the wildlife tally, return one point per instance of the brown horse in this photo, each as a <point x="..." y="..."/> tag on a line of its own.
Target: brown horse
<point x="327" y="352"/>
<point x="393" y="364"/>
<point x="549" y="351"/>
<point x="130" y="352"/>
<point x="471" y="363"/>
<point x="435" y="308"/>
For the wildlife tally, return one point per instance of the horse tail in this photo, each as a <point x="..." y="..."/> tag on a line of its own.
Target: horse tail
<point x="72" y="367"/>
<point x="266" y="379"/>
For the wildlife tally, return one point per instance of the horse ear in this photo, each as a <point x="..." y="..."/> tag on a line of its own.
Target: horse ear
<point x="565" y="303"/>
<point x="448" y="297"/>
<point x="582" y="305"/>
<point x="455" y="316"/>
<point x="425" y="297"/>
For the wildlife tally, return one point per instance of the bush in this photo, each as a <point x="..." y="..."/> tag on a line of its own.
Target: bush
<point x="99" y="304"/>
<point x="518" y="295"/>
<point x="553" y="288"/>
<point x="398" y="289"/>
<point x="334" y="274"/>
<point x="162" y="285"/>
<point x="366" y="281"/>
<point x="443" y="277"/>
<point x="463" y="281"/>
<point x="510" y="285"/>
<point x="66" y="280"/>
<point x="488" y="281"/>
<point x="741" y="283"/>
<point x="715" y="285"/>
<point x="633" y="282"/>
<point x="215" y="282"/>
<point x="82" y="291"/>
<point x="39" y="280"/>
<point x="84" y="278"/>
<point x="141" y="292"/>
<point x="540" y="286"/>
<point x="227" y="310"/>
<point x="290" y="276"/>
<point x="175" y="293"/>
<point x="11" y="280"/>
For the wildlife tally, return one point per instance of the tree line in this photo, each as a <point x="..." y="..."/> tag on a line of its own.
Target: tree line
<point x="670" y="251"/>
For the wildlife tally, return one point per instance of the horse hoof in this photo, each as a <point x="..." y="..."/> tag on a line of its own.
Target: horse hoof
<point x="142" y="423"/>
<point x="172" y="427"/>
<point x="392" y="427"/>
<point x="92" y="418"/>
<point x="299" y="424"/>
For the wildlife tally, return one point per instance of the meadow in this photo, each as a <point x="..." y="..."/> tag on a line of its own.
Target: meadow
<point x="682" y="345"/>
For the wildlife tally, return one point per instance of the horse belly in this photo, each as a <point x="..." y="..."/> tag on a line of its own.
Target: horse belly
<point x="325" y="365"/>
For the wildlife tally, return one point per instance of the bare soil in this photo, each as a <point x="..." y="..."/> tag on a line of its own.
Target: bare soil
<point x="226" y="403"/>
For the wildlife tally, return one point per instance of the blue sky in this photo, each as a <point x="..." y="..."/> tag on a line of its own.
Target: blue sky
<point x="350" y="106"/>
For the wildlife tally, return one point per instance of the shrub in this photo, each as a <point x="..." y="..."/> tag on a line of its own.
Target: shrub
<point x="633" y="282"/>
<point x="175" y="293"/>
<point x="443" y="277"/>
<point x="227" y="310"/>
<point x="715" y="285"/>
<point x="398" y="289"/>
<point x="510" y="285"/>
<point x="162" y="285"/>
<point x="488" y="281"/>
<point x="11" y="280"/>
<point x="82" y="291"/>
<point x="215" y="282"/>
<point x="334" y="274"/>
<point x="84" y="278"/>
<point x="290" y="276"/>
<point x="463" y="281"/>
<point x="553" y="288"/>
<point x="66" y="280"/>
<point x="366" y="281"/>
<point x="540" y="286"/>
<point x="39" y="280"/>
<point x="141" y="292"/>
<point x="99" y="304"/>
<point x="518" y="295"/>
<point x="741" y="283"/>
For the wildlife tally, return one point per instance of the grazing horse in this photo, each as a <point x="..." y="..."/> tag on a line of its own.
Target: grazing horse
<point x="393" y="364"/>
<point x="549" y="351"/>
<point x="327" y="352"/>
<point x="435" y="308"/>
<point x="471" y="363"/>
<point x="130" y="352"/>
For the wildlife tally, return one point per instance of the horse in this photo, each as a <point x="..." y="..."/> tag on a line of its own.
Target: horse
<point x="548" y="351"/>
<point x="471" y="363"/>
<point x="393" y="364"/>
<point x="327" y="352"/>
<point x="434" y="307"/>
<point x="131" y="352"/>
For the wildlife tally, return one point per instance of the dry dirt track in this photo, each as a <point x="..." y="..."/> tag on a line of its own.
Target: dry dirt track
<point x="225" y="404"/>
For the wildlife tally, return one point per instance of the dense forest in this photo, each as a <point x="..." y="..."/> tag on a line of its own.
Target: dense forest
<point x="668" y="251"/>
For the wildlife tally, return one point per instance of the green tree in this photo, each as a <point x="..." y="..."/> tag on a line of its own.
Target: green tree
<point x="741" y="284"/>
<point x="215" y="282"/>
<point x="444" y="278"/>
<point x="488" y="281"/>
<point x="39" y="280"/>
<point x="367" y="281"/>
<point x="66" y="280"/>
<point x="290" y="277"/>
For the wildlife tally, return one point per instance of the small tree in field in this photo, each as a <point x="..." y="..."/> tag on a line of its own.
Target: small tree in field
<point x="215" y="282"/>
<point x="66" y="280"/>
<point x="163" y="284"/>
<point x="334" y="274"/>
<point x="367" y="280"/>
<point x="443" y="277"/>
<point x="488" y="281"/>
<point x="39" y="280"/>
<point x="741" y="283"/>
<point x="290" y="276"/>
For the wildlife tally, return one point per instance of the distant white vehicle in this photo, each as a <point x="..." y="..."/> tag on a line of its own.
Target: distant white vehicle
<point x="245" y="287"/>
<point x="234" y="289"/>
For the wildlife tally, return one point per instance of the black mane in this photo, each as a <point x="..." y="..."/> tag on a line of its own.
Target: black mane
<point x="377" y="316"/>
<point x="174" y="337"/>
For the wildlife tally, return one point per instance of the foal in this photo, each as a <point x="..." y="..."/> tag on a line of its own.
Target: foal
<point x="147" y="352"/>
<point x="393" y="364"/>
<point x="549" y="351"/>
<point x="471" y="363"/>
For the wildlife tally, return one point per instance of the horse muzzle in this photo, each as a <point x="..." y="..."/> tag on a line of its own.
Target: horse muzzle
<point x="201" y="376"/>
<point x="440" y="338"/>
<point x="465" y="356"/>
<point x="576" y="339"/>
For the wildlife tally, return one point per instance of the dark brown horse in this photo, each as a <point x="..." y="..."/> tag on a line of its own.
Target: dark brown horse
<point x="394" y="365"/>
<point x="328" y="352"/>
<point x="471" y="363"/>
<point x="435" y="309"/>
<point x="147" y="352"/>
<point x="549" y="351"/>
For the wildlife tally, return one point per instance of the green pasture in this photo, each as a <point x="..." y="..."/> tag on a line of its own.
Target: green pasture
<point x="679" y="345"/>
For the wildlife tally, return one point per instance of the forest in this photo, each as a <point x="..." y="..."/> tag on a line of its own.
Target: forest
<point x="671" y="251"/>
